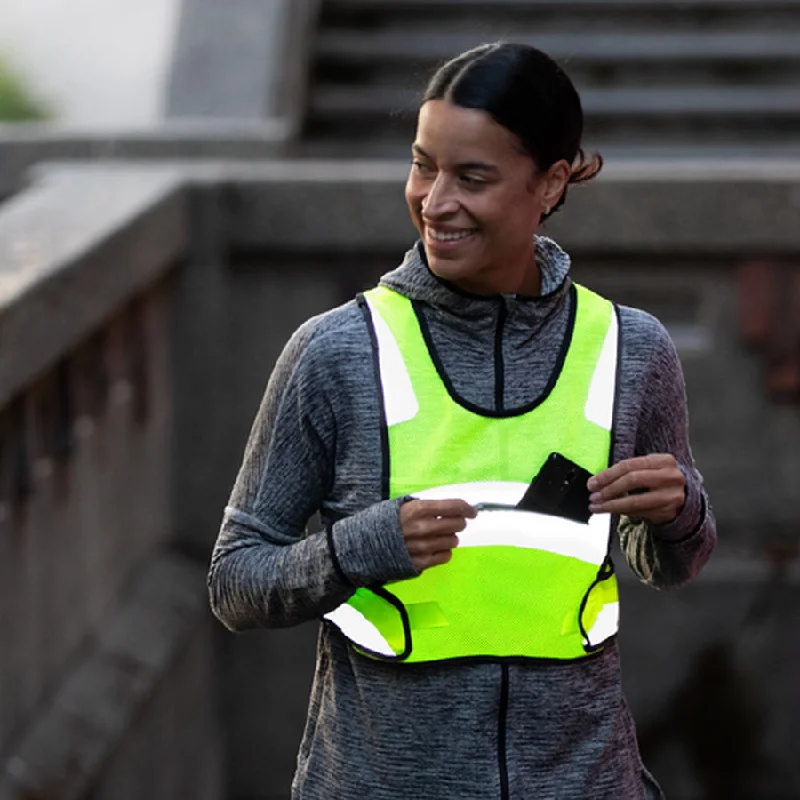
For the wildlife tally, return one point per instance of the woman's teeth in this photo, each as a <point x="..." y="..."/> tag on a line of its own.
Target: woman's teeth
<point x="446" y="236"/>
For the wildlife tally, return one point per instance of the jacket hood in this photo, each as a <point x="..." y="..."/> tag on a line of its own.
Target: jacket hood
<point x="414" y="279"/>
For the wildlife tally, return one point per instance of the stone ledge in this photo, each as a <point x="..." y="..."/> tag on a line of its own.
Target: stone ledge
<point x="723" y="208"/>
<point x="74" y="248"/>
<point x="126" y="223"/>
<point x="70" y="741"/>
<point x="23" y="146"/>
<point x="726" y="208"/>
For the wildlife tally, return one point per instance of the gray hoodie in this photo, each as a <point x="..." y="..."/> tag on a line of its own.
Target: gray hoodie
<point x="440" y="731"/>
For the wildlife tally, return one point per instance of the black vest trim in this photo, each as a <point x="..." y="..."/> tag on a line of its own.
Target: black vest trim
<point x="384" y="427"/>
<point x="518" y="660"/>
<point x="513" y="412"/>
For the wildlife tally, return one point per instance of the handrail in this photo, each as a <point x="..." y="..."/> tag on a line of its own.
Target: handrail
<point x="124" y="227"/>
<point x="23" y="145"/>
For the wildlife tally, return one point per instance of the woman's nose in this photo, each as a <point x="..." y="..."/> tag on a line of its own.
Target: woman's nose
<point x="440" y="200"/>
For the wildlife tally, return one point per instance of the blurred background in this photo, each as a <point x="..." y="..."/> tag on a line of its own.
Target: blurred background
<point x="183" y="183"/>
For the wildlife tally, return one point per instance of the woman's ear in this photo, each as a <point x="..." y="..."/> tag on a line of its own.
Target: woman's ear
<point x="554" y="182"/>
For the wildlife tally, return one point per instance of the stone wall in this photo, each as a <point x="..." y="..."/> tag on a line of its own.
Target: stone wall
<point x="105" y="635"/>
<point x="293" y="239"/>
<point x="246" y="60"/>
<point x="23" y="146"/>
<point x="214" y="265"/>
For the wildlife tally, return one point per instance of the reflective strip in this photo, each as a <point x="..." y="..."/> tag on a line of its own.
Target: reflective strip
<point x="356" y="627"/>
<point x="506" y="492"/>
<point x="599" y="407"/>
<point x="606" y="624"/>
<point x="400" y="402"/>
<point x="524" y="529"/>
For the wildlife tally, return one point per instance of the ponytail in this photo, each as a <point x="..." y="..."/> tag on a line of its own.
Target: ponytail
<point x="584" y="168"/>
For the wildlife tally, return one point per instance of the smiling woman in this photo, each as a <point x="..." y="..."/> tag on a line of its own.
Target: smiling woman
<point x="499" y="132"/>
<point x="468" y="639"/>
<point x="476" y="200"/>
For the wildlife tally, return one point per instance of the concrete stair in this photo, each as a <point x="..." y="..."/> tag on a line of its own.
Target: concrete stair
<point x="656" y="78"/>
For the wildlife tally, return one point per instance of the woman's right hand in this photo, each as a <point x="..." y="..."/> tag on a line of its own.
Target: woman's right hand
<point x="430" y="528"/>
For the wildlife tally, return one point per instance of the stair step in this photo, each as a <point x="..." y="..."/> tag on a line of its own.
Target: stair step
<point x="599" y="5"/>
<point x="362" y="47"/>
<point x="381" y="102"/>
<point x="650" y="73"/>
<point x="510" y="18"/>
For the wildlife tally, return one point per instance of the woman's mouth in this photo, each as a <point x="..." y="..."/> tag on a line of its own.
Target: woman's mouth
<point x="448" y="239"/>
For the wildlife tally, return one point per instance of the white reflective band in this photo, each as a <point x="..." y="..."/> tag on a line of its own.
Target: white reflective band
<point x="400" y="402"/>
<point x="600" y="402"/>
<point x="606" y="624"/>
<point x="358" y="629"/>
<point x="524" y="529"/>
<point x="506" y="492"/>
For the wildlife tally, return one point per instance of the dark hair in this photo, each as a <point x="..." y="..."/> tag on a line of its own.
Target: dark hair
<point x="527" y="93"/>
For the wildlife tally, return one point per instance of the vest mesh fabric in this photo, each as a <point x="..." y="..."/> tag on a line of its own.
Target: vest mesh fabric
<point x="520" y="584"/>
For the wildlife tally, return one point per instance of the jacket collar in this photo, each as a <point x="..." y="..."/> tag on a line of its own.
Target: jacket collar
<point x="414" y="279"/>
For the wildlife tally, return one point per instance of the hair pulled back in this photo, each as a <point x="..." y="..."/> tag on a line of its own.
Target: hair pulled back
<point x="526" y="92"/>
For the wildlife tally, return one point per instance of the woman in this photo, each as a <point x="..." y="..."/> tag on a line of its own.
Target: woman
<point x="467" y="649"/>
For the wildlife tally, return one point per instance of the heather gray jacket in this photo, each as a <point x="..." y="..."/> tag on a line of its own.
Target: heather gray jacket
<point x="478" y="731"/>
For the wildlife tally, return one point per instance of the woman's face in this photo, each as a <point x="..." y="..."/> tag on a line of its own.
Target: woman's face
<point x="476" y="199"/>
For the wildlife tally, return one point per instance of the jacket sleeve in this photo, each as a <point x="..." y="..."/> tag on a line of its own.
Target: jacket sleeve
<point x="266" y="569"/>
<point x="672" y="554"/>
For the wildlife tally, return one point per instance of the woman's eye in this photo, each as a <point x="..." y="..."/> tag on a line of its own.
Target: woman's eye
<point x="420" y="167"/>
<point x="472" y="182"/>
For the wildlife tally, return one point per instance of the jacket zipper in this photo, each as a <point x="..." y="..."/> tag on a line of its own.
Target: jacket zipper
<point x="499" y="365"/>
<point x="501" y="733"/>
<point x="499" y="402"/>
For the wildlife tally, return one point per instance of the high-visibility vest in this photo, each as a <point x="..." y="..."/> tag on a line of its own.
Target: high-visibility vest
<point x="519" y="584"/>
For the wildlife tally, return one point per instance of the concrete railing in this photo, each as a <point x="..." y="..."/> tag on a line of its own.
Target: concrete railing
<point x="23" y="145"/>
<point x="96" y="613"/>
<point x="141" y="309"/>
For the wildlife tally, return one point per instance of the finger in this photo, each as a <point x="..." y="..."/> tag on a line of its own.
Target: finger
<point x="638" y="481"/>
<point x="454" y="507"/>
<point x="431" y="552"/>
<point x="662" y="501"/>
<point x="433" y="526"/>
<point x="431" y="546"/>
<point x="654" y="461"/>
<point x="425" y="562"/>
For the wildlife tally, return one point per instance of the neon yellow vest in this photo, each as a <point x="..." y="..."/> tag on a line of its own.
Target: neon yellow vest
<point x="520" y="584"/>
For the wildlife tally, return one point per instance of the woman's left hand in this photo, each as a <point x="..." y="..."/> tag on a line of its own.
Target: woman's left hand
<point x="651" y="488"/>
